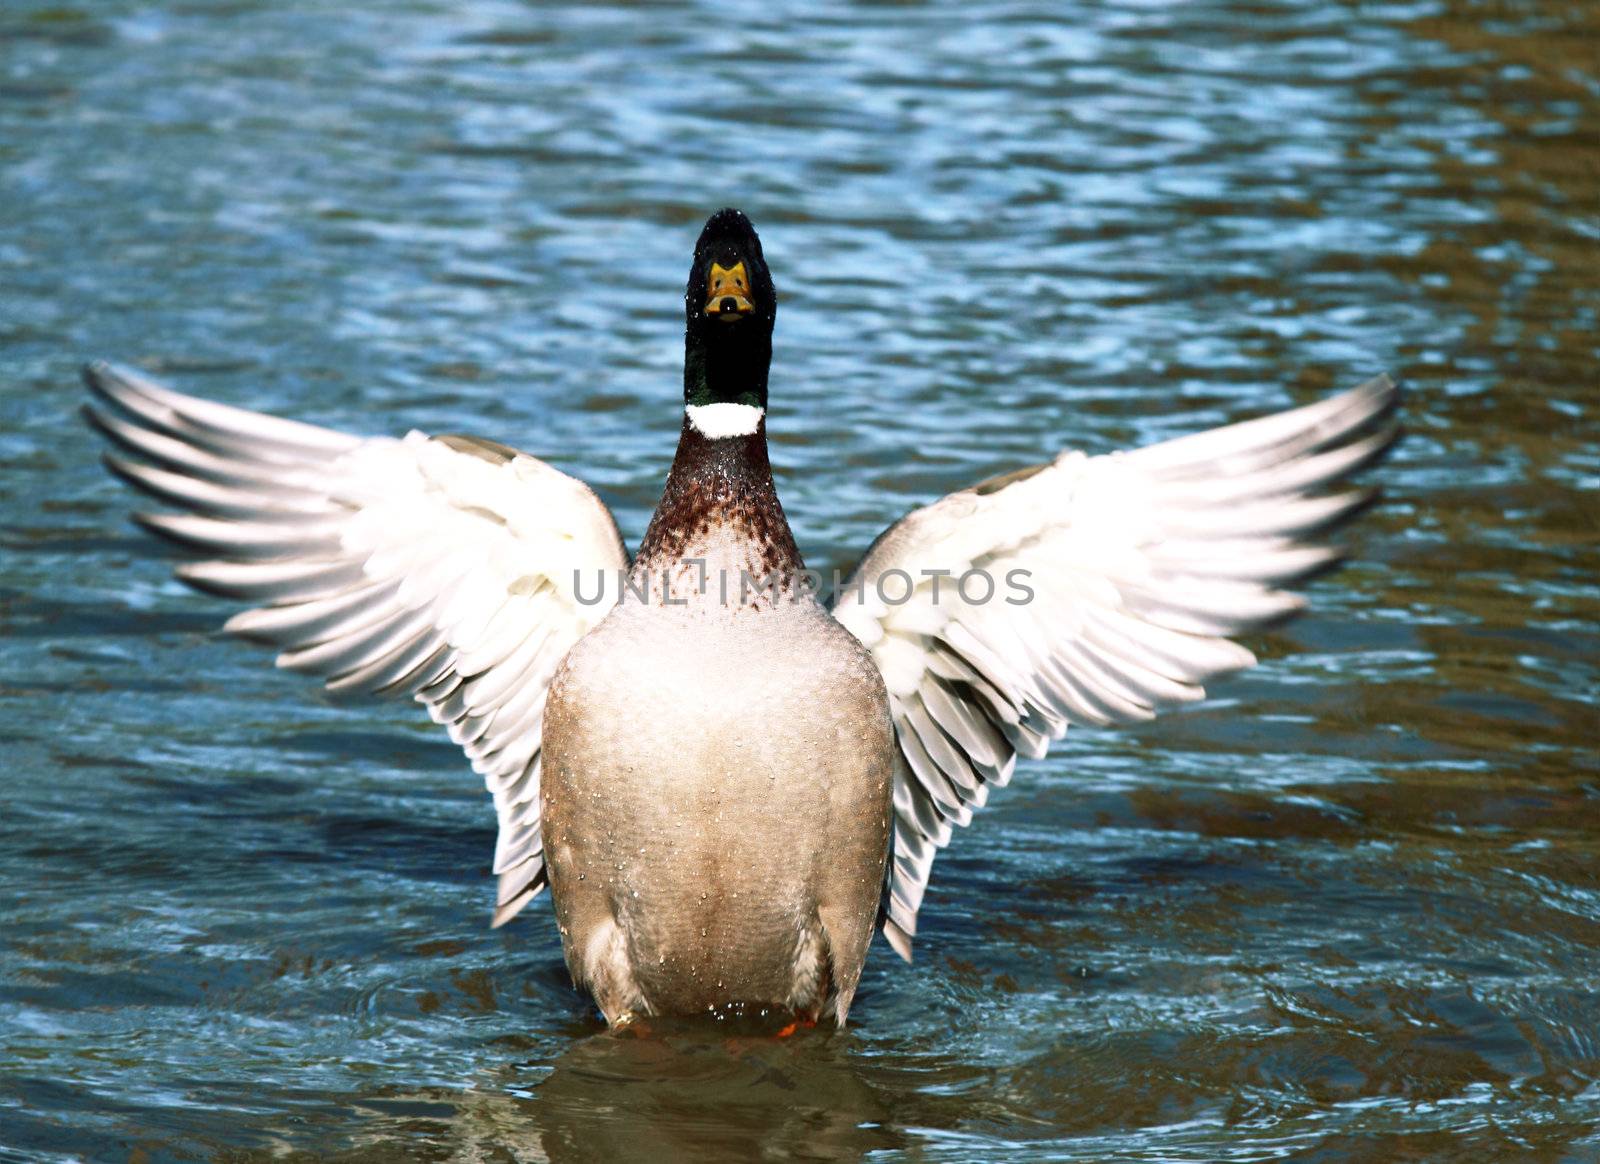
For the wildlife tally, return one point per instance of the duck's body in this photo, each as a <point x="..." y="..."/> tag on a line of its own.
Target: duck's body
<point x="682" y="819"/>
<point x="724" y="783"/>
<point x="698" y="744"/>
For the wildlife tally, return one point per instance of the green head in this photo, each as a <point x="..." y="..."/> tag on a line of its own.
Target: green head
<point x="731" y="305"/>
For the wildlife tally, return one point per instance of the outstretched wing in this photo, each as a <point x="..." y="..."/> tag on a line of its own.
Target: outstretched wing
<point x="1101" y="590"/>
<point x="445" y="568"/>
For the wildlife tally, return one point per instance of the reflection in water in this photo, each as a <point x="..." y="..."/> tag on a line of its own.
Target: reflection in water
<point x="1349" y="910"/>
<point x="701" y="1095"/>
<point x="689" y="1095"/>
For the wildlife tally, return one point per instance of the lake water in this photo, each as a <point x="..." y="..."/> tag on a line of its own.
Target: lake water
<point x="1347" y="910"/>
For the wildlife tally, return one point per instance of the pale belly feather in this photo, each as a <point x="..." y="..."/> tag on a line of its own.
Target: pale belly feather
<point x="716" y="798"/>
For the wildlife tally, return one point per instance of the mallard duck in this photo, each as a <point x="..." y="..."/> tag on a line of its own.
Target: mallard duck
<point x="727" y="783"/>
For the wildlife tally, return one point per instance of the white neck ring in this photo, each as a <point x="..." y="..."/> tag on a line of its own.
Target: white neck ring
<point x="717" y="422"/>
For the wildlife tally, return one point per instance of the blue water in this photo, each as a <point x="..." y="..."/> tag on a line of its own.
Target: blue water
<point x="1347" y="910"/>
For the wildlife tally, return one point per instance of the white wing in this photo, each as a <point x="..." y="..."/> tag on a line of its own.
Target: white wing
<point x="438" y="567"/>
<point x="1140" y="566"/>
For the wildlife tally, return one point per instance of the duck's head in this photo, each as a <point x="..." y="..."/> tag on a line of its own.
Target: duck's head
<point x="731" y="305"/>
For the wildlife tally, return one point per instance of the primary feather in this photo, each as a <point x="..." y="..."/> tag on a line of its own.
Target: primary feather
<point x="1142" y="566"/>
<point x="437" y="567"/>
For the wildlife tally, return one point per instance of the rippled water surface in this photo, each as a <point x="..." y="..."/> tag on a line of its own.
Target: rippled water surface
<point x="1348" y="910"/>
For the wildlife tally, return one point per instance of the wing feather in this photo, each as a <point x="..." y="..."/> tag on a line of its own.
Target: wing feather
<point x="440" y="568"/>
<point x="1141" y="567"/>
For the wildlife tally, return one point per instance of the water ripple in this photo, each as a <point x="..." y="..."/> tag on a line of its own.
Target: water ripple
<point x="1347" y="910"/>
